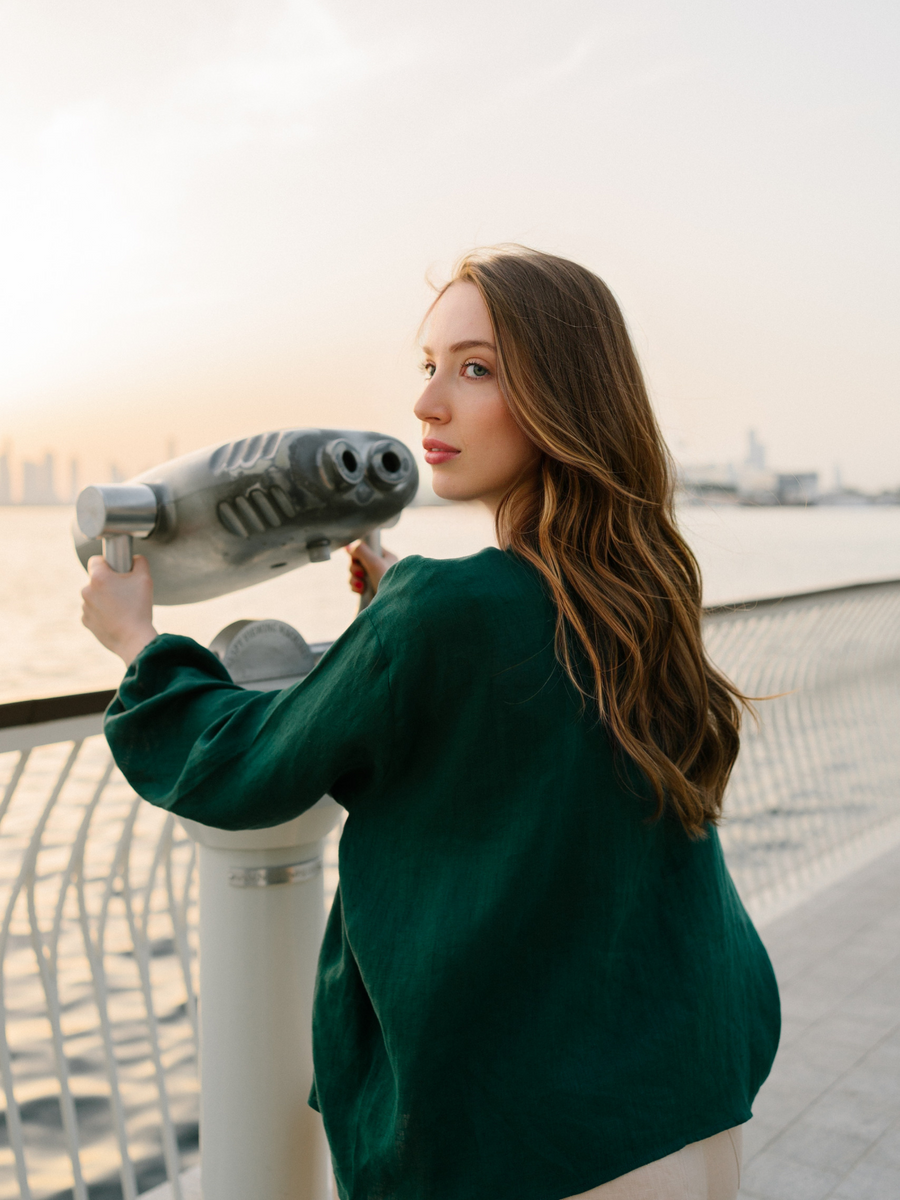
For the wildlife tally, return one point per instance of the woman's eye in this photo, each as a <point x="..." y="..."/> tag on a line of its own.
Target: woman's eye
<point x="428" y="370"/>
<point x="475" y="370"/>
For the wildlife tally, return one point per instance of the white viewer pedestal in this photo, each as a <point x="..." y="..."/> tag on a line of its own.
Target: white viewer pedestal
<point x="261" y="925"/>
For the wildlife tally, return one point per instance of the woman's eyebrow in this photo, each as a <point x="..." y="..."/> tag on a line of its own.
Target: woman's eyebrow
<point x="469" y="345"/>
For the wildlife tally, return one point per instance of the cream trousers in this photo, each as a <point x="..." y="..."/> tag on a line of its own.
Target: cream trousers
<point x="707" y="1170"/>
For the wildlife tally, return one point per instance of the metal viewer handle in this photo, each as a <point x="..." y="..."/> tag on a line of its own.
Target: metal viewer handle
<point x="117" y="512"/>
<point x="373" y="541"/>
<point x="117" y="551"/>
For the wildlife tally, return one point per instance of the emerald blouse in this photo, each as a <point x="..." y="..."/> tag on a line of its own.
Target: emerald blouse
<point x="527" y="987"/>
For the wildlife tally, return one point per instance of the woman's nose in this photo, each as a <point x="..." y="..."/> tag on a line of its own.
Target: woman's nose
<point x="431" y="407"/>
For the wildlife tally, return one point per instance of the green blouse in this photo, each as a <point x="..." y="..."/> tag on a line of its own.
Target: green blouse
<point x="527" y="987"/>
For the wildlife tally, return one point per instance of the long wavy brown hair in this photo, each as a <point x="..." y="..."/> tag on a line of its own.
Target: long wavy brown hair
<point x="598" y="524"/>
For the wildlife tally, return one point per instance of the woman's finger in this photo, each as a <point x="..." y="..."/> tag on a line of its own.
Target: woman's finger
<point x="367" y="557"/>
<point x="366" y="566"/>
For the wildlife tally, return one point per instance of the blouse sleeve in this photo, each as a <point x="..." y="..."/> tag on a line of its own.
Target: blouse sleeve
<point x="190" y="740"/>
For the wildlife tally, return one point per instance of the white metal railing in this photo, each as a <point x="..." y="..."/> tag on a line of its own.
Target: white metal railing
<point x="98" y="945"/>
<point x="98" y="973"/>
<point x="97" y="966"/>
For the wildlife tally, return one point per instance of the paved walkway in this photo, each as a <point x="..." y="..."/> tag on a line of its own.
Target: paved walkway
<point x="827" y="1121"/>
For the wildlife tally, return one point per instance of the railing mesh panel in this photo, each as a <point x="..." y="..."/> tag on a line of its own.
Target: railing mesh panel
<point x="97" y="987"/>
<point x="822" y="770"/>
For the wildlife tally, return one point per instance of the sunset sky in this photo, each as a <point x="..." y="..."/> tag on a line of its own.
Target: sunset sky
<point x="219" y="216"/>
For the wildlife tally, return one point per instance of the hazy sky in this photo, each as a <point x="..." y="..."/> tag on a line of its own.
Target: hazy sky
<point x="217" y="216"/>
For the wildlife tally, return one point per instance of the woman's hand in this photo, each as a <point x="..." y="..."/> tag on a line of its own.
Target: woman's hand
<point x="365" y="565"/>
<point x="118" y="608"/>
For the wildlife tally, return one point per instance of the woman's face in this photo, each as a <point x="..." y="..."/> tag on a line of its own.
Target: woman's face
<point x="475" y="449"/>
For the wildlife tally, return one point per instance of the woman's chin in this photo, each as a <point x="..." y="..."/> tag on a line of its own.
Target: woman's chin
<point x="447" y="489"/>
<point x="452" y="489"/>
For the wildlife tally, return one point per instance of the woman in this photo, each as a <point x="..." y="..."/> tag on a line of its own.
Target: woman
<point x="537" y="980"/>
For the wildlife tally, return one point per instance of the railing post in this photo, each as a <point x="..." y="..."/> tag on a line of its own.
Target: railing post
<point x="261" y="925"/>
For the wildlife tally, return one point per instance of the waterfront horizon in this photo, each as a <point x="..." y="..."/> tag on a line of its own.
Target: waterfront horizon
<point x="744" y="554"/>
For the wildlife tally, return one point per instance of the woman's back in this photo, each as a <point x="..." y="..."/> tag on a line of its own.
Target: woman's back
<point x="527" y="986"/>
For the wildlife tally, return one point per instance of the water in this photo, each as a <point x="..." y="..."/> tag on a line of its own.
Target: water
<point x="744" y="553"/>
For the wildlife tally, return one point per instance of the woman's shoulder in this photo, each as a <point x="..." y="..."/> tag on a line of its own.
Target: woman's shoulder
<point x="448" y="592"/>
<point x="490" y="574"/>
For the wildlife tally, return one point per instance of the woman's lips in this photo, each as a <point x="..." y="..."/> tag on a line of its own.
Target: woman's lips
<point x="438" y="452"/>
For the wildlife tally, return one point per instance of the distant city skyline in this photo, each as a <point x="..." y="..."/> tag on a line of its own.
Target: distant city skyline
<point x="49" y="480"/>
<point x="752" y="477"/>
<point x="753" y="480"/>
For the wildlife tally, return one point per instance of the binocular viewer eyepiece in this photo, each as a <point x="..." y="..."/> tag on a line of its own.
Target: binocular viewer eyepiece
<point x="231" y="515"/>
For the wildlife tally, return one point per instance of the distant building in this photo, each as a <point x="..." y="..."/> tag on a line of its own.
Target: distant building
<point x="802" y="488"/>
<point x="73" y="481"/>
<point x="5" y="480"/>
<point x="713" y="482"/>
<point x="749" y="482"/>
<point x="37" y="482"/>
<point x="758" y="487"/>
<point x="840" y="496"/>
<point x="756" y="452"/>
<point x="756" y="483"/>
<point x="845" y="498"/>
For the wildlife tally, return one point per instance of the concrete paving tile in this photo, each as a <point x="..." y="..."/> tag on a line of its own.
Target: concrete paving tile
<point x="859" y="918"/>
<point x="832" y="913"/>
<point x="879" y="939"/>
<point x="878" y="1074"/>
<point x="793" y="939"/>
<point x="880" y="1086"/>
<point x="825" y="1053"/>
<point x="804" y="1008"/>
<point x="793" y="1071"/>
<point x="884" y="987"/>
<point x="845" y="910"/>
<point x="798" y="953"/>
<point x="778" y="1108"/>
<point x="868" y="1008"/>
<point x="810" y="999"/>
<point x="848" y="1110"/>
<point x="820" y="1146"/>
<point x="886" y="1151"/>
<point x="796" y="958"/>
<point x="846" y="1028"/>
<point x="795" y="947"/>
<point x="840" y="976"/>
<point x="779" y="1103"/>
<point x="865" y="955"/>
<point x="795" y="1025"/>
<point x="888" y="995"/>
<point x="889" y="928"/>
<point x="827" y="1121"/>
<point x="892" y="1037"/>
<point x="777" y="1177"/>
<point x="868" y="1181"/>
<point x="758" y="1135"/>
